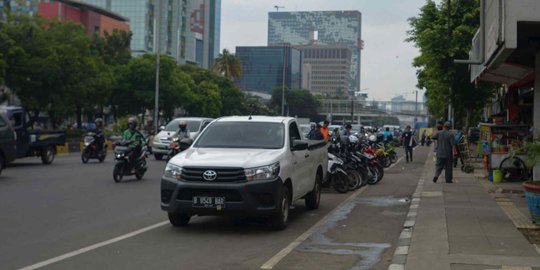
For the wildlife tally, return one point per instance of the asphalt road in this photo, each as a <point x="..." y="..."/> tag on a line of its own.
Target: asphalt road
<point x="49" y="211"/>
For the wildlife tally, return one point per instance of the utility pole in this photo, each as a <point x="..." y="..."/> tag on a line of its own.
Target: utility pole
<point x="156" y="45"/>
<point x="450" y="114"/>
<point x="283" y="81"/>
<point x="416" y="109"/>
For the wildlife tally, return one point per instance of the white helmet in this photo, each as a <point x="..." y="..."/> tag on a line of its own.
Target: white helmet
<point x="353" y="139"/>
<point x="373" y="138"/>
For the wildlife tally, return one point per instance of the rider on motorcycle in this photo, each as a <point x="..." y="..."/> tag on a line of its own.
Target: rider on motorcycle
<point x="134" y="135"/>
<point x="100" y="137"/>
<point x="183" y="131"/>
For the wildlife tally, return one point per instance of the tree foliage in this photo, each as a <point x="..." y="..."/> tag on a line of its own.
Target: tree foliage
<point x="228" y="65"/>
<point x="298" y="102"/>
<point x="53" y="66"/>
<point x="444" y="81"/>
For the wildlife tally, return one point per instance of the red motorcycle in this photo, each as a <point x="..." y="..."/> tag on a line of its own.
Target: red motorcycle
<point x="178" y="145"/>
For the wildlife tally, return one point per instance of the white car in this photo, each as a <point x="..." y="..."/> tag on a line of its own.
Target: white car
<point x="161" y="143"/>
<point x="246" y="165"/>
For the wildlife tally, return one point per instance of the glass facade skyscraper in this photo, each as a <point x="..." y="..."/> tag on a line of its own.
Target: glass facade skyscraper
<point x="28" y="7"/>
<point x="262" y="68"/>
<point x="332" y="27"/>
<point x="189" y="30"/>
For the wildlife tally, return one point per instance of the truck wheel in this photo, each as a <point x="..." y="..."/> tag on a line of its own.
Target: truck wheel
<point x="1" y="163"/>
<point x="279" y="220"/>
<point x="313" y="198"/>
<point x="158" y="156"/>
<point x="179" y="219"/>
<point x="47" y="155"/>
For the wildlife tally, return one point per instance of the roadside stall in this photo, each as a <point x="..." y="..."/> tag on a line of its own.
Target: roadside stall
<point x="502" y="148"/>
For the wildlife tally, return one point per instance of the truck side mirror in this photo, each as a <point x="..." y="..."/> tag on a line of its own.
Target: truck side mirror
<point x="299" y="145"/>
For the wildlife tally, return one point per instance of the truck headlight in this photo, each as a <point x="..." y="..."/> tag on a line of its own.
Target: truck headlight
<point x="173" y="171"/>
<point x="262" y="173"/>
<point x="156" y="139"/>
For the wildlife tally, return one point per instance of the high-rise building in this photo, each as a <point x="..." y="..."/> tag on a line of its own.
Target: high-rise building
<point x="326" y="69"/>
<point x="262" y="68"/>
<point x="189" y="30"/>
<point x="332" y="27"/>
<point x="29" y="7"/>
<point x="94" y="19"/>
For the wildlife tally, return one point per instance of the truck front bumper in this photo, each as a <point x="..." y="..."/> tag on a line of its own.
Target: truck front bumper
<point x="256" y="198"/>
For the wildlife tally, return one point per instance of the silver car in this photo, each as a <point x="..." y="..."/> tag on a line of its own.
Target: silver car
<point x="160" y="145"/>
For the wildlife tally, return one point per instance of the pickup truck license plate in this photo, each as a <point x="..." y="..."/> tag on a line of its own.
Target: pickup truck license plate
<point x="209" y="202"/>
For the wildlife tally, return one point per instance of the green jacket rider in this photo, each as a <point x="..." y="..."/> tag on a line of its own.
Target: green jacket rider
<point x="133" y="134"/>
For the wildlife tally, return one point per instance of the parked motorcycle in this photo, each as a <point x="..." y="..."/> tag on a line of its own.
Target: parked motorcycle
<point x="90" y="150"/>
<point x="124" y="166"/>
<point x="337" y="177"/>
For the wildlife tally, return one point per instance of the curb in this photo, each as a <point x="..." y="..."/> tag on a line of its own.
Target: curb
<point x="405" y="237"/>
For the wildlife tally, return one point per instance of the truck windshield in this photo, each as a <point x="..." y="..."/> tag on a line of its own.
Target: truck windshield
<point x="258" y="135"/>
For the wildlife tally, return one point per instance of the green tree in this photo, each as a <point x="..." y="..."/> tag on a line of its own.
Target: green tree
<point x="136" y="86"/>
<point x="298" y="102"/>
<point x="438" y="47"/>
<point x="228" y="65"/>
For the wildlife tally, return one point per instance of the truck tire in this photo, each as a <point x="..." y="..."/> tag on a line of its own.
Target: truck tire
<point x="179" y="219"/>
<point x="1" y="163"/>
<point x="313" y="198"/>
<point x="279" y="220"/>
<point x="47" y="155"/>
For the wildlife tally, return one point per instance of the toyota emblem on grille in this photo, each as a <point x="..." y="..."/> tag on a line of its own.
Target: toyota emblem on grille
<point x="209" y="175"/>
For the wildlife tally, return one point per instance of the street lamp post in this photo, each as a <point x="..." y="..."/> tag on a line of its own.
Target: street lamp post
<point x="283" y="81"/>
<point x="156" y="44"/>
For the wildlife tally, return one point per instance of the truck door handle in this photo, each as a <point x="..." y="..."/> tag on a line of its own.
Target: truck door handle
<point x="306" y="155"/>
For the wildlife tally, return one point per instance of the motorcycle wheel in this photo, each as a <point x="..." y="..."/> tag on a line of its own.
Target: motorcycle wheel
<point x="380" y="171"/>
<point x="372" y="175"/>
<point x="393" y="157"/>
<point x="340" y="182"/>
<point x="354" y="179"/>
<point x="84" y="157"/>
<point x="118" y="172"/>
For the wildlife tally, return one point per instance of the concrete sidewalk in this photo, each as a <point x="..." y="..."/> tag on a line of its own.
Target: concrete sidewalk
<point x="464" y="226"/>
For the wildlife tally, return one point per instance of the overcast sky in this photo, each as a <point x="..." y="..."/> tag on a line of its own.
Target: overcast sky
<point x="386" y="59"/>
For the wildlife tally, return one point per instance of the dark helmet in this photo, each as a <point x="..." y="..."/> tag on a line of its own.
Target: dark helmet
<point x="132" y="122"/>
<point x="182" y="124"/>
<point x="99" y="122"/>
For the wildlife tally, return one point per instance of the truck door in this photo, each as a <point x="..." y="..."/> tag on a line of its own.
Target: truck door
<point x="301" y="168"/>
<point x="18" y="120"/>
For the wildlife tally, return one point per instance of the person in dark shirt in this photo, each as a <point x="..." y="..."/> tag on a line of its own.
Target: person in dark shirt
<point x="446" y="149"/>
<point x="315" y="132"/>
<point x="408" y="143"/>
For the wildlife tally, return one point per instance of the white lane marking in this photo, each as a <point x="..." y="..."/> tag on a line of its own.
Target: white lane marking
<point x="288" y="249"/>
<point x="391" y="166"/>
<point x="94" y="246"/>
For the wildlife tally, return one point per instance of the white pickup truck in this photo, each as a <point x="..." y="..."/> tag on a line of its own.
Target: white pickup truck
<point x="244" y="165"/>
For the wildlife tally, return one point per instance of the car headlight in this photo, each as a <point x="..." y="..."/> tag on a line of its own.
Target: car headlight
<point x="262" y="173"/>
<point x="173" y="171"/>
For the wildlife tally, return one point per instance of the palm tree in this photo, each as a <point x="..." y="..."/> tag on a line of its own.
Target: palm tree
<point x="228" y="65"/>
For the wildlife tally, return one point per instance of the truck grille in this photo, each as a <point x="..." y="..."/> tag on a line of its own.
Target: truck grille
<point x="194" y="174"/>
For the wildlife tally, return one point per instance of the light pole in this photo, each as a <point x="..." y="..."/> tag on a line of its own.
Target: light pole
<point x="156" y="44"/>
<point x="283" y="81"/>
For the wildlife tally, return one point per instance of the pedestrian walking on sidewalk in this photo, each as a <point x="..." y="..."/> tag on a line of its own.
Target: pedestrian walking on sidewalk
<point x="408" y="143"/>
<point x="446" y="149"/>
<point x="423" y="141"/>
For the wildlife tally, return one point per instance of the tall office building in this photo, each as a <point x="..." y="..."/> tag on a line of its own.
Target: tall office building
<point x="189" y="30"/>
<point x="326" y="69"/>
<point x="29" y="7"/>
<point x="332" y="27"/>
<point x="262" y="68"/>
